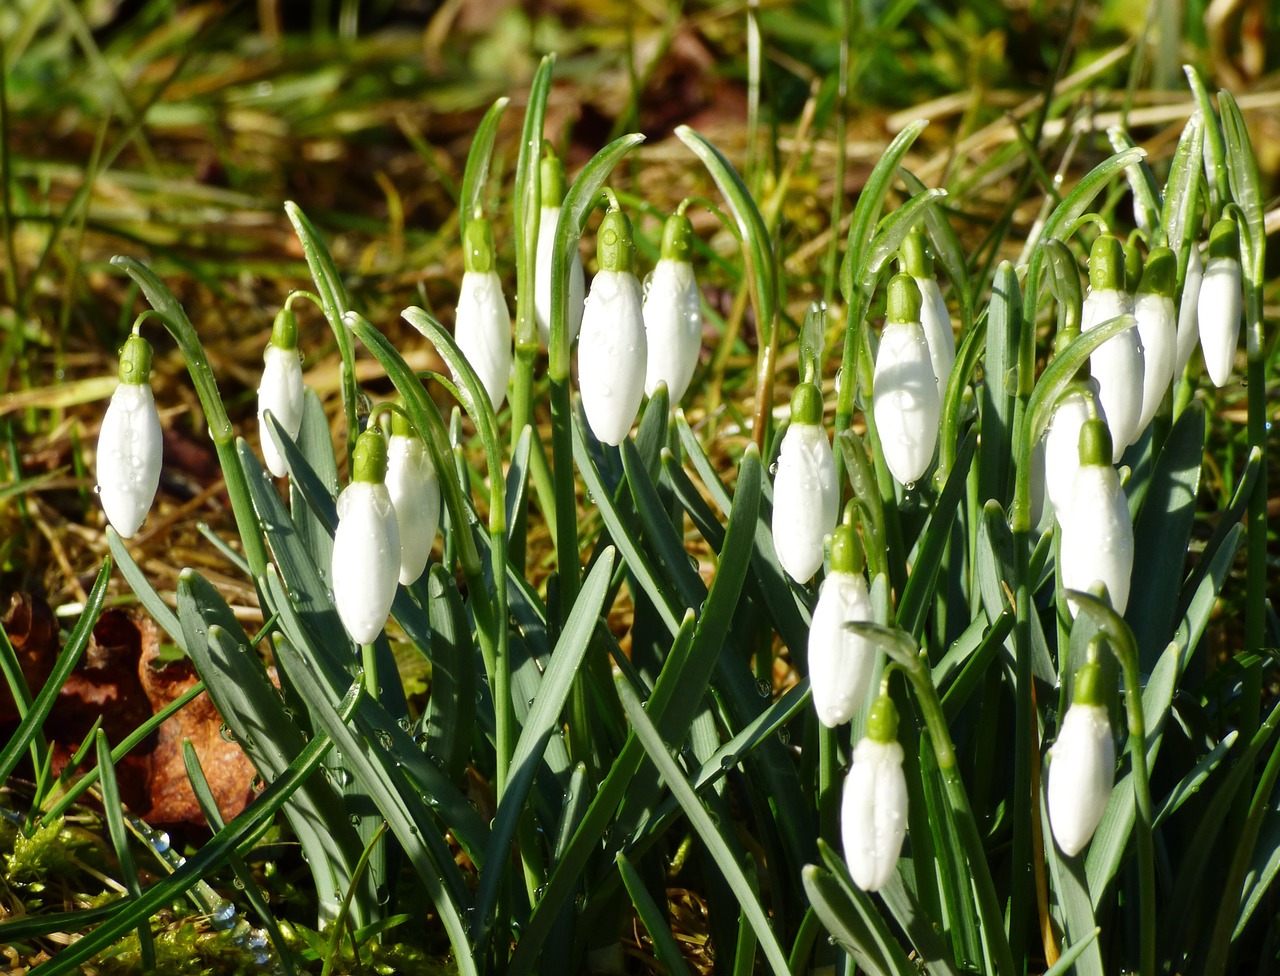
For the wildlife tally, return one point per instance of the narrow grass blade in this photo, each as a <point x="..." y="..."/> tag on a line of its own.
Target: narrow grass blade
<point x="655" y="920"/>
<point x="476" y="173"/>
<point x="452" y="707"/>
<point x="112" y="811"/>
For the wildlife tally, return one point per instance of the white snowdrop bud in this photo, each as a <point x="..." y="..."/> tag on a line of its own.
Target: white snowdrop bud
<point x="551" y="183"/>
<point x="366" y="544"/>
<point x="130" y="443"/>
<point x="1157" y="329"/>
<point x="1220" y="300"/>
<point x="482" y="324"/>
<point x="840" y="662"/>
<point x="612" y="349"/>
<point x="873" y="808"/>
<point x="905" y="402"/>
<point x="672" y="313"/>
<point x="934" y="317"/>
<point x="1116" y="365"/>
<point x="1062" y="444"/>
<point x="281" y="389"/>
<point x="1098" y="548"/>
<point x="1082" y="765"/>
<point x="1188" y="313"/>
<point x="806" y="498"/>
<point x="415" y="495"/>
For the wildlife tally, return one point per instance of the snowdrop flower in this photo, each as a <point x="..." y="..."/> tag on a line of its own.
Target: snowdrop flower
<point x="1116" y="365"/>
<point x="366" y="544"/>
<point x="415" y="495"/>
<point x="672" y="312"/>
<point x="873" y="809"/>
<point x="612" y="348"/>
<point x="1082" y="765"/>
<point x="1099" y="546"/>
<point x="905" y="401"/>
<point x="130" y="443"/>
<point x="1157" y="329"/>
<point x="840" y="662"/>
<point x="934" y="317"/>
<point x="1188" y="312"/>
<point x="281" y="388"/>
<point x="806" y="498"/>
<point x="482" y="325"/>
<point x="1220" y="298"/>
<point x="551" y="182"/>
<point x="1062" y="443"/>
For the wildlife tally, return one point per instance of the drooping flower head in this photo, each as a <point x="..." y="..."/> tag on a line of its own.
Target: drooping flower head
<point x="482" y="325"/>
<point x="1157" y="328"/>
<point x="905" y="401"/>
<point x="873" y="809"/>
<point x="130" y="443"/>
<point x="415" y="495"/>
<point x="1220" y="302"/>
<point x="1116" y="365"/>
<point x="841" y="662"/>
<point x="613" y="349"/>
<point x="1082" y="764"/>
<point x="673" y="312"/>
<point x="366" y="543"/>
<point x="551" y="189"/>
<point x="1097" y="546"/>
<point x="934" y="317"/>
<point x="806" y="497"/>
<point x="281" y="390"/>
<point x="1189" y="312"/>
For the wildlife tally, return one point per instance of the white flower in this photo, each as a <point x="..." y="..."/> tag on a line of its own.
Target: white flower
<point x="1188" y="313"/>
<point x="482" y="328"/>
<point x="873" y="809"/>
<point x="415" y="495"/>
<point x="1157" y="329"/>
<point x="1099" y="544"/>
<point x="1062" y="447"/>
<point x="281" y="389"/>
<point x="1081" y="773"/>
<point x="672" y="313"/>
<point x="806" y="498"/>
<point x="1117" y="364"/>
<point x="548" y="217"/>
<point x="130" y="444"/>
<point x="840" y="662"/>
<point x="1220" y="301"/>
<point x="905" y="402"/>
<point x="936" y="322"/>
<point x="366" y="544"/>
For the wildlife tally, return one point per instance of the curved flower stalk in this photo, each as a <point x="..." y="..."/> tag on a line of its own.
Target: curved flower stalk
<point x="841" y="662"/>
<point x="415" y="495"/>
<point x="934" y="317"/>
<point x="613" y="346"/>
<point x="1220" y="302"/>
<point x="1189" y="313"/>
<point x="366" y="543"/>
<point x="1116" y="365"/>
<point x="130" y="443"/>
<point x="673" y="312"/>
<point x="1099" y="544"/>
<point x="905" y="402"/>
<point x="806" y="497"/>
<point x="873" y="809"/>
<point x="1082" y="764"/>
<point x="551" y="183"/>
<point x="1157" y="329"/>
<point x="281" y="389"/>
<point x="482" y="325"/>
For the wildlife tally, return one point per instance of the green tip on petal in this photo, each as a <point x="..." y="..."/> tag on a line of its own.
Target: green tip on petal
<point x="135" y="361"/>
<point x="1224" y="240"/>
<point x="806" y="405"/>
<point x="1106" y="264"/>
<point x="1160" y="277"/>
<point x="846" y="550"/>
<point x="369" y="459"/>
<point x="477" y="246"/>
<point x="1095" y="442"/>
<point x="904" y="299"/>
<point x="284" y="330"/>
<point x="551" y="181"/>
<point x="677" y="238"/>
<point x="882" y="720"/>
<point x="1089" y="688"/>
<point x="914" y="258"/>
<point x="615" y="246"/>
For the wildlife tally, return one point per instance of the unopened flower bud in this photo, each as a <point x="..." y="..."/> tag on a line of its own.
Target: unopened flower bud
<point x="281" y="390"/>
<point x="1082" y="765"/>
<point x="906" y="404"/>
<point x="366" y="543"/>
<point x="130" y="443"/>
<point x="806" y="498"/>
<point x="873" y="810"/>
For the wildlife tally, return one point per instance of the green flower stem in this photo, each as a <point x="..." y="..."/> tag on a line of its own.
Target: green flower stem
<point x="828" y="782"/>
<point x="369" y="660"/>
<point x="220" y="430"/>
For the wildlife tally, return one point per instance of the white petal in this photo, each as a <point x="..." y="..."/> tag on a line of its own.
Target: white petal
<point x="130" y="448"/>
<point x="840" y="662"/>
<point x="1099" y="545"/>
<point x="1081" y="774"/>
<point x="1117" y="367"/>
<point x="936" y="322"/>
<point x="673" y="327"/>
<point x="873" y="814"/>
<point x="1219" y="314"/>
<point x="415" y="494"/>
<point x="482" y="329"/>
<point x="366" y="559"/>
<point x="806" y="500"/>
<point x="281" y="392"/>
<point x="547" y="219"/>
<point x="1157" y="328"/>
<point x="612" y="352"/>
<point x="1062" y="450"/>
<point x="905" y="403"/>
<point x="1188" y="313"/>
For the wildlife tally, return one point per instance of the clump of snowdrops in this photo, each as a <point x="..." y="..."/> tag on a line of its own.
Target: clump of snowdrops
<point x="995" y="755"/>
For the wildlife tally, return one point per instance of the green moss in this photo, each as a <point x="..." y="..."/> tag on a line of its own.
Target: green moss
<point x="48" y="852"/>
